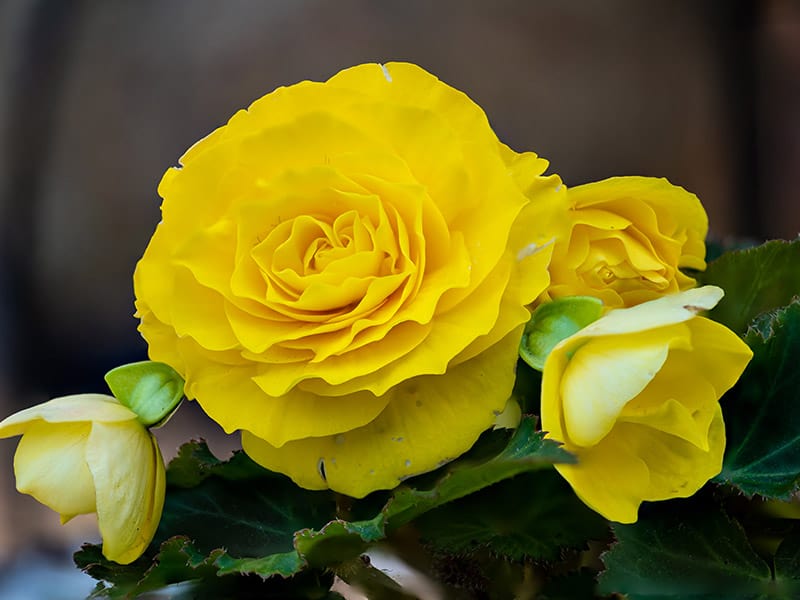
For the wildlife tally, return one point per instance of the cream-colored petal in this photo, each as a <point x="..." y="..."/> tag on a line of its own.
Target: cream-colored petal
<point x="675" y="308"/>
<point x="600" y="379"/>
<point x="129" y="479"/>
<point x="50" y="465"/>
<point x="67" y="409"/>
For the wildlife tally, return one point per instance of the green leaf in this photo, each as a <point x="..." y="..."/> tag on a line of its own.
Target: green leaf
<point x="755" y="280"/>
<point x="787" y="562"/>
<point x="189" y="575"/>
<point x="375" y="584"/>
<point x="195" y="463"/>
<point x="235" y="518"/>
<point x="717" y="247"/>
<point x="152" y="390"/>
<point x="553" y="322"/>
<point x="684" y="549"/>
<point x="338" y="541"/>
<point x="578" y="584"/>
<point x="761" y="415"/>
<point x="251" y="517"/>
<point x="526" y="451"/>
<point x="125" y="577"/>
<point x="534" y="515"/>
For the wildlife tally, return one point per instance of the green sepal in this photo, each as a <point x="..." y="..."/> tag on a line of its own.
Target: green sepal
<point x="152" y="390"/>
<point x="553" y="322"/>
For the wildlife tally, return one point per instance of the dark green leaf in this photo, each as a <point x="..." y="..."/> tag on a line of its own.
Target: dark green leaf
<point x="761" y="415"/>
<point x="338" y="541"/>
<point x="526" y="451"/>
<point x="717" y="247"/>
<point x="787" y="563"/>
<point x="235" y="518"/>
<point x="375" y="584"/>
<point x="755" y="280"/>
<point x="578" y="584"/>
<point x="195" y="463"/>
<point x="684" y="549"/>
<point x="189" y="575"/>
<point x="249" y="518"/>
<point x="125" y="577"/>
<point x="534" y="515"/>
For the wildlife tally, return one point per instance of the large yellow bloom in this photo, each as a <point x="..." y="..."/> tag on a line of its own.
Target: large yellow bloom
<point x="342" y="272"/>
<point x="88" y="453"/>
<point x="635" y="396"/>
<point x="629" y="237"/>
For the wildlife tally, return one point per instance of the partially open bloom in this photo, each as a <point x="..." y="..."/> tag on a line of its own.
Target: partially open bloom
<point x="629" y="239"/>
<point x="343" y="272"/>
<point x="635" y="395"/>
<point x="88" y="453"/>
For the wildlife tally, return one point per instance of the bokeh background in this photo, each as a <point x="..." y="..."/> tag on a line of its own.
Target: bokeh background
<point x="98" y="98"/>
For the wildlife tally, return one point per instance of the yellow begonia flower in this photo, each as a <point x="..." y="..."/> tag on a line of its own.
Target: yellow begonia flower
<point x="88" y="453"/>
<point x="629" y="238"/>
<point x="343" y="272"/>
<point x="635" y="395"/>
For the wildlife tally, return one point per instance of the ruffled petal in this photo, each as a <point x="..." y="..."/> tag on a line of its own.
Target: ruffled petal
<point x="430" y="421"/>
<point x="629" y="238"/>
<point x="278" y="419"/>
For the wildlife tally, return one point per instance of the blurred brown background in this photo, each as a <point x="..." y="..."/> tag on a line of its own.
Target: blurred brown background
<point x="98" y="98"/>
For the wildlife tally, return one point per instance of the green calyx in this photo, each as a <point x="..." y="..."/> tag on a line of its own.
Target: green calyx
<point x="553" y="322"/>
<point x="152" y="390"/>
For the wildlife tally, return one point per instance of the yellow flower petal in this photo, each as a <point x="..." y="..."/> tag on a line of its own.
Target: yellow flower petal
<point x="635" y="395"/>
<point x="636" y="463"/>
<point x="630" y="237"/>
<point x="668" y="310"/>
<point x="409" y="84"/>
<point x="49" y="465"/>
<point x="409" y="437"/>
<point x="601" y="379"/>
<point x="609" y="479"/>
<point x="678" y="470"/>
<point x="721" y="354"/>
<point x="278" y="419"/>
<point x="67" y="409"/>
<point x="337" y="240"/>
<point x="129" y="478"/>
